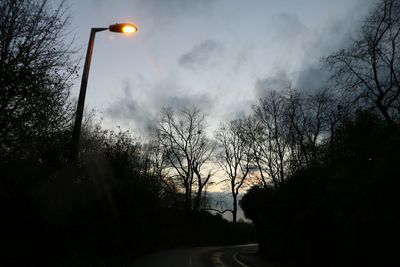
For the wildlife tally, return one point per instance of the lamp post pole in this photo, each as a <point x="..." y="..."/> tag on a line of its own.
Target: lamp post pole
<point x="82" y="94"/>
<point x="120" y="28"/>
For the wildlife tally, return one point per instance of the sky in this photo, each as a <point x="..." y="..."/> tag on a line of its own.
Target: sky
<point x="220" y="55"/>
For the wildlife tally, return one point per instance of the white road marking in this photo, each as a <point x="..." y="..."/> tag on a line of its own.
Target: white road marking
<point x="239" y="261"/>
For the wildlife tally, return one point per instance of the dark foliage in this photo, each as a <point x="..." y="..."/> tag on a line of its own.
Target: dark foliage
<point x="36" y="70"/>
<point x="341" y="212"/>
<point x="108" y="207"/>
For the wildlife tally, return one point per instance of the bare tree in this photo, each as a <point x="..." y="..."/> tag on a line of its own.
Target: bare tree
<point x="298" y="125"/>
<point x="270" y="137"/>
<point x="254" y="133"/>
<point x="309" y="118"/>
<point x="159" y="168"/>
<point x="36" y="70"/>
<point x="235" y="158"/>
<point x="369" y="69"/>
<point x="187" y="150"/>
<point x="286" y="131"/>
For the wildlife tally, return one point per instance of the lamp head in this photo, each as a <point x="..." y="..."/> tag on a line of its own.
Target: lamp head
<point x="123" y="28"/>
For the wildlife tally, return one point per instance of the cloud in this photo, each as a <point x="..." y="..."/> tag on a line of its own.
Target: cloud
<point x="289" y="27"/>
<point x="128" y="111"/>
<point x="139" y="111"/>
<point x="201" y="55"/>
<point x="164" y="12"/>
<point x="174" y="5"/>
<point x="279" y="81"/>
<point x="338" y="34"/>
<point x="244" y="57"/>
<point x="312" y="78"/>
<point x="309" y="46"/>
<point x="203" y="101"/>
<point x="244" y="52"/>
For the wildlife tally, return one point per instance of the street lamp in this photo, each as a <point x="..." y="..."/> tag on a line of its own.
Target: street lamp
<point x="120" y="28"/>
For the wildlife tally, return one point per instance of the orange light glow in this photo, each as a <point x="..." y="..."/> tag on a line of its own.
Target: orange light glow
<point x="129" y="29"/>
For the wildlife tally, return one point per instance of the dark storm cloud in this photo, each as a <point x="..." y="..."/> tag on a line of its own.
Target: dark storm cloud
<point x="338" y="35"/>
<point x="279" y="81"/>
<point x="201" y="55"/>
<point x="311" y="75"/>
<point x="291" y="34"/>
<point x="312" y="79"/>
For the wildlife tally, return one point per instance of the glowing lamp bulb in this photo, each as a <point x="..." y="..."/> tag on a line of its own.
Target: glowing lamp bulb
<point x="129" y="29"/>
<point x="123" y="28"/>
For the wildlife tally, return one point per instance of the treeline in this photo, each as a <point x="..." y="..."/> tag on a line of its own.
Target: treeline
<point x="110" y="206"/>
<point x="339" y="210"/>
<point x="329" y="160"/>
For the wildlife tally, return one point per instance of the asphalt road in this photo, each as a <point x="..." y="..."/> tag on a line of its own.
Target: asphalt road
<point x="197" y="257"/>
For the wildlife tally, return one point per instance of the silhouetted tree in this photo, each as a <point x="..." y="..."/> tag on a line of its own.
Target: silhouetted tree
<point x="342" y="206"/>
<point x="309" y="121"/>
<point x="271" y="138"/>
<point x="368" y="70"/>
<point x="187" y="150"/>
<point x="36" y="70"/>
<point x="287" y="129"/>
<point x="234" y="158"/>
<point x="159" y="167"/>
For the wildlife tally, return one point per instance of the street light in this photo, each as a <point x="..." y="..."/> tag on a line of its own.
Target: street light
<point x="120" y="28"/>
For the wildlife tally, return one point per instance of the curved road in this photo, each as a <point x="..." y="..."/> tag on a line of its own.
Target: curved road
<point x="197" y="257"/>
